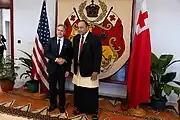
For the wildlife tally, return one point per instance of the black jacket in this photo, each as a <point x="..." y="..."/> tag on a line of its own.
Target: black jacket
<point x="51" y="54"/>
<point x="90" y="58"/>
<point x="3" y="46"/>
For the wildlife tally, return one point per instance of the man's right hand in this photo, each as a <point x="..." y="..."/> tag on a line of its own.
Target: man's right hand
<point x="56" y="60"/>
<point x="60" y="61"/>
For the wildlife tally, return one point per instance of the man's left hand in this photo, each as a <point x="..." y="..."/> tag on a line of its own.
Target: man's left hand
<point x="66" y="74"/>
<point x="94" y="73"/>
<point x="94" y="76"/>
<point x="61" y="61"/>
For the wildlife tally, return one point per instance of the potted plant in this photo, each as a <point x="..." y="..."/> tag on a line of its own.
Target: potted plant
<point x="32" y="84"/>
<point x="160" y="80"/>
<point x="7" y="74"/>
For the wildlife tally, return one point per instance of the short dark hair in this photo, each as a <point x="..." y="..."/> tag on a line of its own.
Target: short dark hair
<point x="62" y="25"/>
<point x="84" y="22"/>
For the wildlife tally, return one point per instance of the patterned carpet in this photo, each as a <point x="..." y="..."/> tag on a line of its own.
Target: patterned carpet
<point x="37" y="109"/>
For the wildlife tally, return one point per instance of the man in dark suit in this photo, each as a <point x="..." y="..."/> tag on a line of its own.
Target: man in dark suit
<point x="59" y="53"/>
<point x="2" y="46"/>
<point x="87" y="51"/>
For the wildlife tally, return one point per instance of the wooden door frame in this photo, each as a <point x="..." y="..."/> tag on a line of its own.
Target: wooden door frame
<point x="12" y="28"/>
<point x="10" y="6"/>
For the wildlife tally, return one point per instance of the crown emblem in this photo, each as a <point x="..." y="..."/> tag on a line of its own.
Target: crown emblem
<point x="92" y="10"/>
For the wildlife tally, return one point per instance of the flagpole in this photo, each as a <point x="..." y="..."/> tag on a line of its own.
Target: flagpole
<point x="39" y="89"/>
<point x="124" y="105"/>
<point x="38" y="95"/>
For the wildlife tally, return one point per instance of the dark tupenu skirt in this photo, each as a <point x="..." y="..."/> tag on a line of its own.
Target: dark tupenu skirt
<point x="86" y="99"/>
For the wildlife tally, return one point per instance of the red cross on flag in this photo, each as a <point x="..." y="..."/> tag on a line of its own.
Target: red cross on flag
<point x="138" y="76"/>
<point x="72" y="18"/>
<point x="70" y="23"/>
<point x="112" y="17"/>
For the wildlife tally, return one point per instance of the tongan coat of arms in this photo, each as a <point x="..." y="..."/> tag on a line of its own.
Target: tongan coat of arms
<point x="106" y="24"/>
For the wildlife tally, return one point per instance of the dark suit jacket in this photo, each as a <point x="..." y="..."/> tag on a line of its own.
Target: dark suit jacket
<point x="51" y="54"/>
<point x="90" y="58"/>
<point x="2" y="41"/>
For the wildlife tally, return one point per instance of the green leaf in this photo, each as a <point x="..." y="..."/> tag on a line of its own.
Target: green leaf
<point x="28" y="71"/>
<point x="24" y="65"/>
<point x="26" y="61"/>
<point x="23" y="75"/>
<point x="167" y="89"/>
<point x="175" y="61"/>
<point x="165" y="60"/>
<point x="26" y="76"/>
<point x="168" y="77"/>
<point x="176" y="90"/>
<point x="155" y="67"/>
<point x="152" y="79"/>
<point x="158" y="71"/>
<point x="177" y="82"/>
<point x="154" y="59"/>
<point x="26" y="53"/>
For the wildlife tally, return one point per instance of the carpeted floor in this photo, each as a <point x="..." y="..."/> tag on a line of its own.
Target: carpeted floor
<point x="16" y="105"/>
<point x="10" y="117"/>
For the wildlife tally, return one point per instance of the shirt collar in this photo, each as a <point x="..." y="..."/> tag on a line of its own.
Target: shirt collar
<point x="62" y="38"/>
<point x="85" y="35"/>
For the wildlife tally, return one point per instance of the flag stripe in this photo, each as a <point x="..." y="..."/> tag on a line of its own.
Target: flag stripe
<point x="39" y="71"/>
<point x="37" y="76"/>
<point x="38" y="48"/>
<point x="39" y="62"/>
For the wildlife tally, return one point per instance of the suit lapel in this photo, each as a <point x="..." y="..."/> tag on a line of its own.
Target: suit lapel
<point x="64" y="46"/>
<point x="85" y="43"/>
<point x="77" y="45"/>
<point x="55" y="45"/>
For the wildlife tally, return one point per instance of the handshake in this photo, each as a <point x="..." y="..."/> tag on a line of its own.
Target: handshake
<point x="60" y="61"/>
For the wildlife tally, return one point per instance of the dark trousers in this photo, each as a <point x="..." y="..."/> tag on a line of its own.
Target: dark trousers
<point x="86" y="99"/>
<point x="57" y="77"/>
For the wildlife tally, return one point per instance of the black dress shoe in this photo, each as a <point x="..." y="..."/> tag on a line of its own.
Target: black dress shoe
<point x="51" y="108"/>
<point x="61" y="109"/>
<point x="94" y="117"/>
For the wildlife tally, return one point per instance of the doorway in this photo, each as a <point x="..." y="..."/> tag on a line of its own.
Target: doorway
<point x="6" y="27"/>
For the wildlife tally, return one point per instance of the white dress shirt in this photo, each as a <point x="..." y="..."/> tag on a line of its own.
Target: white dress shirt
<point x="61" y="43"/>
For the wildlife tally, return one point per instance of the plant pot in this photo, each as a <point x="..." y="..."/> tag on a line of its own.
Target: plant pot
<point x="32" y="86"/>
<point x="6" y="85"/>
<point x="158" y="104"/>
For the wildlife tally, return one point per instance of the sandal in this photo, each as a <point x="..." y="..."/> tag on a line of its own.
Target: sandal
<point x="94" y="117"/>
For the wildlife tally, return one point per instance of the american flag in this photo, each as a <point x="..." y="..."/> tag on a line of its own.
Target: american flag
<point x="39" y="61"/>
